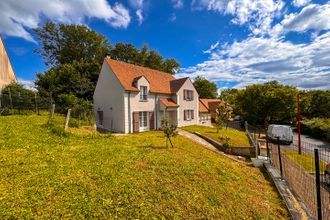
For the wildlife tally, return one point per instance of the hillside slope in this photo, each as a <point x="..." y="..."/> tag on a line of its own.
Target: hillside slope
<point x="45" y="175"/>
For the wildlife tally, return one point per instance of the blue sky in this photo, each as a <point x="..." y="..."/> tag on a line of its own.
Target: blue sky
<point x="233" y="43"/>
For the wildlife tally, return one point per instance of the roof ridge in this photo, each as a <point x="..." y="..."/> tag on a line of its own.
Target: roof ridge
<point x="144" y="67"/>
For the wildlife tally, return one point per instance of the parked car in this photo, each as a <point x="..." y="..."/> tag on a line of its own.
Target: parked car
<point x="327" y="174"/>
<point x="283" y="132"/>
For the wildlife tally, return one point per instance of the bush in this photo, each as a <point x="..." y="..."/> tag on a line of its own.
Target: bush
<point x="317" y="127"/>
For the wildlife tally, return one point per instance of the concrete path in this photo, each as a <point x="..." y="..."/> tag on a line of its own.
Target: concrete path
<point x="199" y="140"/>
<point x="209" y="146"/>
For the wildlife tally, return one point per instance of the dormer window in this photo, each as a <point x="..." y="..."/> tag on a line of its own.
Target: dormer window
<point x="188" y="95"/>
<point x="143" y="93"/>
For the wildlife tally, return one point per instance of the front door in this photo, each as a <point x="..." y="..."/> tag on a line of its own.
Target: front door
<point x="143" y="121"/>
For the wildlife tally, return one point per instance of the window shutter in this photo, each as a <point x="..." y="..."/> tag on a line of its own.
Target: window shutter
<point x="192" y="114"/>
<point x="151" y="120"/>
<point x="192" y="95"/>
<point x="185" y="115"/>
<point x="136" y="122"/>
<point x="184" y="94"/>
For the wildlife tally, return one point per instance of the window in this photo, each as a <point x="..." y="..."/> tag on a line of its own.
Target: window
<point x="143" y="119"/>
<point x="188" y="95"/>
<point x="100" y="117"/>
<point x="143" y="93"/>
<point x="188" y="115"/>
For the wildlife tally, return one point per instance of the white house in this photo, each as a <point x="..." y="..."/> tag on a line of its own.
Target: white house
<point x="130" y="98"/>
<point x="7" y="74"/>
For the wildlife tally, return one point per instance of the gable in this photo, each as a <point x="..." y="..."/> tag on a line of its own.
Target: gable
<point x="7" y="74"/>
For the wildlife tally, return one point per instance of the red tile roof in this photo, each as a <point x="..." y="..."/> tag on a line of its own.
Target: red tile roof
<point x="168" y="102"/>
<point x="160" y="82"/>
<point x="204" y="104"/>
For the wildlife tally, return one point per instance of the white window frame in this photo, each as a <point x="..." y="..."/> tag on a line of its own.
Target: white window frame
<point x="188" y="95"/>
<point x="143" y="93"/>
<point x="188" y="114"/>
<point x="143" y="121"/>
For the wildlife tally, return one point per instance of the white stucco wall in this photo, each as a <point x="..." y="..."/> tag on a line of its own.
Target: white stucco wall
<point x="109" y="98"/>
<point x="187" y="105"/>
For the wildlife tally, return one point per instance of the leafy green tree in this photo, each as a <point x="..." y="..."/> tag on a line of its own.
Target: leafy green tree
<point x="230" y="96"/>
<point x="74" y="55"/>
<point x="222" y="115"/>
<point x="16" y="96"/>
<point x="269" y="102"/>
<point x="205" y="88"/>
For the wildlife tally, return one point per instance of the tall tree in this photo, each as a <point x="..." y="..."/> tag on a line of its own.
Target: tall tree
<point x="74" y="55"/>
<point x="205" y="88"/>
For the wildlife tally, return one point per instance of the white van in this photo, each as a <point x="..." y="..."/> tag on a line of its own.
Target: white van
<point x="283" y="132"/>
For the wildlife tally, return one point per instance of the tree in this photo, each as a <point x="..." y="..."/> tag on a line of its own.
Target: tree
<point x="168" y="129"/>
<point x="74" y="55"/>
<point x="15" y="95"/>
<point x="223" y="111"/>
<point x="205" y="88"/>
<point x="143" y="57"/>
<point x="230" y="96"/>
<point x="271" y="101"/>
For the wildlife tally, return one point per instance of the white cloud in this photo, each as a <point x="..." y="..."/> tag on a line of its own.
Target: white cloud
<point x="300" y="3"/>
<point x="212" y="48"/>
<point x="177" y="4"/>
<point x="259" y="59"/>
<point x="18" y="16"/>
<point x="138" y="5"/>
<point x="312" y="17"/>
<point x="28" y="84"/>
<point x="173" y="17"/>
<point x="258" y="14"/>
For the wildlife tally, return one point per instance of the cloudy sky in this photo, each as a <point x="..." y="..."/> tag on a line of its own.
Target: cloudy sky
<point x="232" y="42"/>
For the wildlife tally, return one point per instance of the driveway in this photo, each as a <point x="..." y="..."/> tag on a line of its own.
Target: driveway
<point x="308" y="139"/>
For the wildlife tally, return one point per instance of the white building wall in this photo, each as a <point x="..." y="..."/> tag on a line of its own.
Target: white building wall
<point x="187" y="105"/>
<point x="109" y="98"/>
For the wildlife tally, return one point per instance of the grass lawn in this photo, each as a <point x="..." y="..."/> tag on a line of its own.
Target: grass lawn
<point x="237" y="138"/>
<point x="305" y="160"/>
<point x="86" y="175"/>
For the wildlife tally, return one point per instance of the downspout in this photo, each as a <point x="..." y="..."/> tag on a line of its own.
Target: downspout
<point x="156" y="111"/>
<point x="129" y="112"/>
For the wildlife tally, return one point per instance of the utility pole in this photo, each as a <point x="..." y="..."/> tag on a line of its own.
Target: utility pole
<point x="299" y="131"/>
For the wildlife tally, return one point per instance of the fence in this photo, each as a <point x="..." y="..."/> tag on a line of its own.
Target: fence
<point x="20" y="103"/>
<point x="305" y="174"/>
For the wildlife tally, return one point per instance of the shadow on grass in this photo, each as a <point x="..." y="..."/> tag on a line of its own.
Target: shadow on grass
<point x="154" y="147"/>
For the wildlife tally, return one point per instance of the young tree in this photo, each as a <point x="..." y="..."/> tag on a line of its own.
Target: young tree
<point x="223" y="111"/>
<point x="168" y="129"/>
<point x="205" y="88"/>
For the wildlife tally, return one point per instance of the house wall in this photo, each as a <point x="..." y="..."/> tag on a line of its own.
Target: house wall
<point x="187" y="105"/>
<point x="6" y="71"/>
<point x="109" y="98"/>
<point x="205" y="119"/>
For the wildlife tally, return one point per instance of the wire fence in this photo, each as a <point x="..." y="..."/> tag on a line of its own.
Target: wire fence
<point x="306" y="174"/>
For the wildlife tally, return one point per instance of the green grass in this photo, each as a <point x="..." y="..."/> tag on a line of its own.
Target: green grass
<point x="237" y="138"/>
<point x="305" y="160"/>
<point x="44" y="174"/>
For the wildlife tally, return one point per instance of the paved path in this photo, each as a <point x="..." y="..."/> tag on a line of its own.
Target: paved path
<point x="208" y="146"/>
<point x="198" y="140"/>
<point x="308" y="139"/>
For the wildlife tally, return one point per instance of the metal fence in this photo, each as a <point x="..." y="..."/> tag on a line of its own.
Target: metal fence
<point x="305" y="173"/>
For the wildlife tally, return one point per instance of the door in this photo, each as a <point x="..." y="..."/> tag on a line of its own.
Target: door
<point x="143" y="121"/>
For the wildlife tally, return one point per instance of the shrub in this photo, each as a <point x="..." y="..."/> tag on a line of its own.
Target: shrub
<point x="317" y="127"/>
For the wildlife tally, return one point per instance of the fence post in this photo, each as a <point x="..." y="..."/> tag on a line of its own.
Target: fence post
<point x="279" y="156"/>
<point x="10" y="99"/>
<point x="51" y="113"/>
<point x="67" y="119"/>
<point x="318" y="184"/>
<point x="267" y="147"/>
<point x="36" y="102"/>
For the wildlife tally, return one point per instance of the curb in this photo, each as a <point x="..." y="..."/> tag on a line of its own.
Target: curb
<point x="296" y="208"/>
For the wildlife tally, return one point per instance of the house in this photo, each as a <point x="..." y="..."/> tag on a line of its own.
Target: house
<point x="7" y="74"/>
<point x="207" y="110"/>
<point x="130" y="98"/>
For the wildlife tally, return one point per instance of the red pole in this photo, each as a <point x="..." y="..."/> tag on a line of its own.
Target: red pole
<point x="299" y="140"/>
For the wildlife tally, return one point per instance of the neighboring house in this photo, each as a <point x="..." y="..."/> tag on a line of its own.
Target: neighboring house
<point x="130" y="98"/>
<point x="7" y="74"/>
<point x="207" y="110"/>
